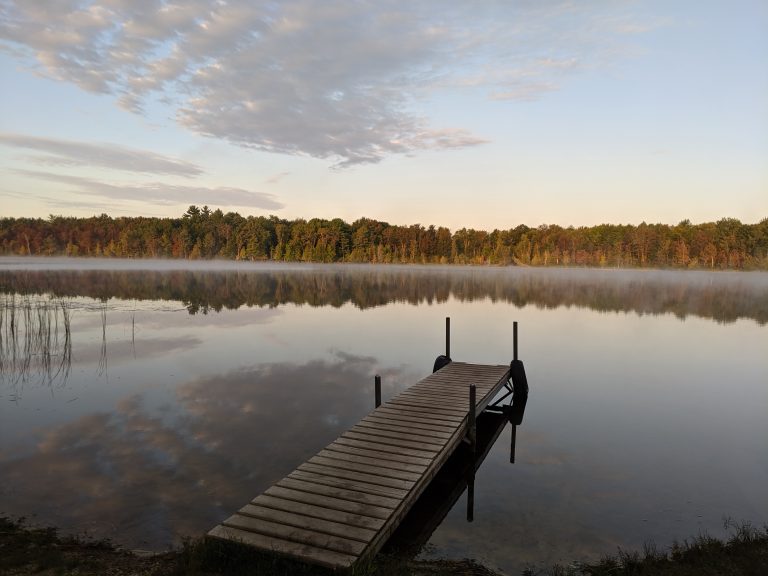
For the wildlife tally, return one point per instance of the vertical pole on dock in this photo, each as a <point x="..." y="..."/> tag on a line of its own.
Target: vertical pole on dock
<point x="377" y="390"/>
<point x="472" y="432"/>
<point x="512" y="444"/>
<point x="447" y="336"/>
<point x="514" y="340"/>
<point x="471" y="493"/>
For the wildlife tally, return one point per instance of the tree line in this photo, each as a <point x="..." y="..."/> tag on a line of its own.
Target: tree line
<point x="202" y="233"/>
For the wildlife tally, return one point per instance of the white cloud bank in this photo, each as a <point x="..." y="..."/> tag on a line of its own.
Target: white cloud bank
<point x="332" y="79"/>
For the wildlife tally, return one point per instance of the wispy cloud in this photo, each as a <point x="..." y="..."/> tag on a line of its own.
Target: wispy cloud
<point x="275" y="178"/>
<point x="332" y="79"/>
<point x="58" y="152"/>
<point x="160" y="193"/>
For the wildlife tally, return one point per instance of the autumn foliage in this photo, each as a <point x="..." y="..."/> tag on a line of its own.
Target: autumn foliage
<point x="202" y="233"/>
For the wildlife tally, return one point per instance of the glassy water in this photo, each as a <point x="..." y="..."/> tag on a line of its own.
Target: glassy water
<point x="146" y="401"/>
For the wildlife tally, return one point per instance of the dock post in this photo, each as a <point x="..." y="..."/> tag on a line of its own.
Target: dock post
<point x="514" y="340"/>
<point x="472" y="426"/>
<point x="377" y="390"/>
<point x="471" y="493"/>
<point x="512" y="444"/>
<point x="447" y="336"/>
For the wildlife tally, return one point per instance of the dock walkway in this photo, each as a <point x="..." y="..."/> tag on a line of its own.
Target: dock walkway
<point x="341" y="505"/>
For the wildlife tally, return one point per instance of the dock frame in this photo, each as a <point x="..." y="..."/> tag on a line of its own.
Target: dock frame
<point x="340" y="506"/>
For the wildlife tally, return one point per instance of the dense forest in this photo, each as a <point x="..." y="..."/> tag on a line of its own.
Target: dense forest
<point x="205" y="233"/>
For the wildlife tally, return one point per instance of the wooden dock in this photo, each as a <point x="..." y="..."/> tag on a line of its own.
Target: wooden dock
<point x="341" y="505"/>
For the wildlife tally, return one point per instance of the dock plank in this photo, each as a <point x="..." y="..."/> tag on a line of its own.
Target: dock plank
<point x="399" y="466"/>
<point x="341" y="493"/>
<point x="267" y="501"/>
<point x="384" y="456"/>
<point x="307" y="553"/>
<point x="294" y="534"/>
<point x="312" y="523"/>
<point x="329" y="502"/>
<point x="357" y="485"/>
<point x="341" y="505"/>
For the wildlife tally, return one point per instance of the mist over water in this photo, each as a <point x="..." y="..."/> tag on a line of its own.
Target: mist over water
<point x="192" y="387"/>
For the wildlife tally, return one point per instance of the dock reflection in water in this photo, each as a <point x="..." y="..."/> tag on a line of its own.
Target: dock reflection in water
<point x="455" y="477"/>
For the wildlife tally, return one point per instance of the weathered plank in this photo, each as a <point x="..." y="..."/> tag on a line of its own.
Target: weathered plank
<point x="312" y="511"/>
<point x="343" y="503"/>
<point x="340" y="493"/>
<point x="355" y="459"/>
<point x="329" y="502"/>
<point x="374" y="445"/>
<point x="309" y="522"/>
<point x="377" y="430"/>
<point x="372" y="437"/>
<point x="402" y="428"/>
<point x="413" y="421"/>
<point x="360" y="476"/>
<point x="307" y="553"/>
<point x="294" y="534"/>
<point x="357" y="485"/>
<point x="384" y="456"/>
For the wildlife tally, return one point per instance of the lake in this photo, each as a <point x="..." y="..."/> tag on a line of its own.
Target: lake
<point x="145" y="401"/>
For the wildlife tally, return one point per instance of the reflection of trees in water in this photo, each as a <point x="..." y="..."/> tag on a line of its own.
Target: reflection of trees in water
<point x="35" y="340"/>
<point x="722" y="297"/>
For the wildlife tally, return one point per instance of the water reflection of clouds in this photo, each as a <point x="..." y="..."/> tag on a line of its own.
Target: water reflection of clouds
<point x="145" y="315"/>
<point x="144" y="348"/>
<point x="145" y="477"/>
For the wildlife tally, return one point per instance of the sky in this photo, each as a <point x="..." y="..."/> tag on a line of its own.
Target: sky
<point x="463" y="114"/>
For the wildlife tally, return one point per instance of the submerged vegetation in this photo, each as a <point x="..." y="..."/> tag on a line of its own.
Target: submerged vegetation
<point x="26" y="550"/>
<point x="203" y="233"/>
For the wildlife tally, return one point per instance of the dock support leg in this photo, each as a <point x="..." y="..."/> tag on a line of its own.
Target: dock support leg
<point x="447" y="336"/>
<point x="514" y="340"/>
<point x="471" y="493"/>
<point x="377" y="390"/>
<point x="471" y="425"/>
<point x="512" y="444"/>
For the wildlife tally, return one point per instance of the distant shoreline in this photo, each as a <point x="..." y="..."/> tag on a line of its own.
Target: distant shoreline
<point x="205" y="234"/>
<point x="65" y="262"/>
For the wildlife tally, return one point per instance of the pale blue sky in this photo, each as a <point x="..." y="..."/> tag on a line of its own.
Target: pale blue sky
<point x="486" y="114"/>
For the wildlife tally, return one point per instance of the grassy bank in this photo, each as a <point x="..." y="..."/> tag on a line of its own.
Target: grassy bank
<point x="25" y="550"/>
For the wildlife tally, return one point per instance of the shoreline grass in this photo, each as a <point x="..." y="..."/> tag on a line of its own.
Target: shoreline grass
<point x="26" y="550"/>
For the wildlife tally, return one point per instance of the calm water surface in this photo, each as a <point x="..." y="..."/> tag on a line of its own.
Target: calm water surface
<point x="146" y="401"/>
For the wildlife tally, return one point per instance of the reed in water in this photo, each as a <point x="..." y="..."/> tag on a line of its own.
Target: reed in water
<point x="35" y="340"/>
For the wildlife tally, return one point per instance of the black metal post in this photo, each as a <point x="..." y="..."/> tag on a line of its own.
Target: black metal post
<point x="472" y="426"/>
<point x="447" y="337"/>
<point x="512" y="444"/>
<point x="471" y="494"/>
<point x="377" y="386"/>
<point x="514" y="339"/>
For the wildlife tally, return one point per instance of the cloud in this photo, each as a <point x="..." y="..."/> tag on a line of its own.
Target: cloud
<point x="275" y="178"/>
<point x="333" y="80"/>
<point x="160" y="193"/>
<point x="70" y="153"/>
